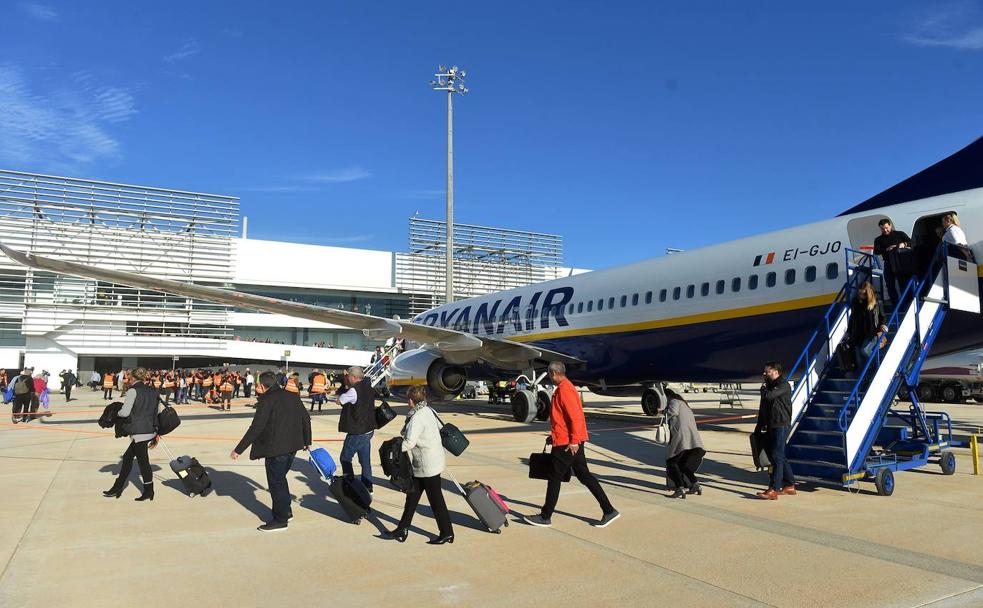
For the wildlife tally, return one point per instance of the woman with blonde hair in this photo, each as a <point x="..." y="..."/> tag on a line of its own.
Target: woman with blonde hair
<point x="140" y="404"/>
<point x="866" y="328"/>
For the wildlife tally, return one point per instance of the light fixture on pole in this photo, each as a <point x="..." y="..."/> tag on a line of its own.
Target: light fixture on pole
<point x="452" y="81"/>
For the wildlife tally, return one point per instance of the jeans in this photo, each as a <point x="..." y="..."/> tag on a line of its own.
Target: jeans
<point x="276" y="480"/>
<point x="681" y="468"/>
<point x="863" y="351"/>
<point x="781" y="472"/>
<point x="361" y="445"/>
<point x="435" y="497"/>
<point x="562" y="462"/>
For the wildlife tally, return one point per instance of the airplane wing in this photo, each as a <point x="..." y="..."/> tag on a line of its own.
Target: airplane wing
<point x="458" y="344"/>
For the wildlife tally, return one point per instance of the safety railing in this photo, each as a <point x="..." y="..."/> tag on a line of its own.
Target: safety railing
<point x="381" y="368"/>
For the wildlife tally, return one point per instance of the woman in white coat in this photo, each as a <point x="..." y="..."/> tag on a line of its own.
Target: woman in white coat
<point x="421" y="439"/>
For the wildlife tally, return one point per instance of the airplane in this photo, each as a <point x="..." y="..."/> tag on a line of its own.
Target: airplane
<point x="714" y="314"/>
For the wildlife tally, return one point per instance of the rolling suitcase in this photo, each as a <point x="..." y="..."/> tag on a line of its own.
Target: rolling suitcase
<point x="352" y="496"/>
<point x="487" y="505"/>
<point x="759" y="450"/>
<point x="190" y="472"/>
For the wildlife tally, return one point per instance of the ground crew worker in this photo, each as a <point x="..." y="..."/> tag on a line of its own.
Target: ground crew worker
<point x="568" y="435"/>
<point x="168" y="388"/>
<point x="107" y="385"/>
<point x="206" y="384"/>
<point x="319" y="386"/>
<point x="293" y="383"/>
<point x="227" y="392"/>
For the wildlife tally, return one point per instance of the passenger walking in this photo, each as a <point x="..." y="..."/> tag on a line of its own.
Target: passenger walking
<point x="94" y="380"/>
<point x="885" y="246"/>
<point x="358" y="423"/>
<point x="568" y="436"/>
<point x="685" y="451"/>
<point x="280" y="427"/>
<point x="249" y="383"/>
<point x="23" y="396"/>
<point x="68" y="382"/>
<point x="866" y="328"/>
<point x="141" y="404"/>
<point x="421" y="439"/>
<point x="775" y="419"/>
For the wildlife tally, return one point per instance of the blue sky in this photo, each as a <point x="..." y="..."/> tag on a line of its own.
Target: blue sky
<point x="626" y="127"/>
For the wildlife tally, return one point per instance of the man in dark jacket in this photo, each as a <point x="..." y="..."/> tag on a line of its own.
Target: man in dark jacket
<point x="358" y="423"/>
<point x="68" y="381"/>
<point x="280" y="427"/>
<point x="775" y="418"/>
<point x="887" y="246"/>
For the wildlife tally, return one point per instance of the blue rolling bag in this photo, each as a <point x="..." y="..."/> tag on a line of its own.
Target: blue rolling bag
<point x="325" y="464"/>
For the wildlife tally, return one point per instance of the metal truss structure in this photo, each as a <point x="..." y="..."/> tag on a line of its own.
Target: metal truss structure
<point x="172" y="234"/>
<point x="486" y="259"/>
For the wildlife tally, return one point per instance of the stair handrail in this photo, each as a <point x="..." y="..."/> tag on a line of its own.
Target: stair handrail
<point x="378" y="368"/>
<point x="915" y="286"/>
<point x="805" y="359"/>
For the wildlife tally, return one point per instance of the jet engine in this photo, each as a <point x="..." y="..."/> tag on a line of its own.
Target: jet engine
<point x="424" y="366"/>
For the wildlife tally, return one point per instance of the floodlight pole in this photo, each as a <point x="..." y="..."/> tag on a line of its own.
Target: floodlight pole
<point x="452" y="81"/>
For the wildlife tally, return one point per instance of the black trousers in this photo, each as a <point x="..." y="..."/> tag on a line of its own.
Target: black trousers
<point x="138" y="450"/>
<point x="68" y="392"/>
<point x="681" y="468"/>
<point x="22" y="405"/>
<point x="435" y="496"/>
<point x="563" y="461"/>
<point x="107" y="393"/>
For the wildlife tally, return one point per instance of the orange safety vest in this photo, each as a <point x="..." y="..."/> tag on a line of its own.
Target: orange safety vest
<point x="197" y="380"/>
<point x="218" y="378"/>
<point x="168" y="383"/>
<point x="292" y="386"/>
<point x="206" y="381"/>
<point x="107" y="381"/>
<point x="319" y="384"/>
<point x="227" y="386"/>
<point x="157" y="383"/>
<point x="260" y="389"/>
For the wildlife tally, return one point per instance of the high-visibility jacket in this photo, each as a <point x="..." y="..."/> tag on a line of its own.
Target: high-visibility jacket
<point x="260" y="389"/>
<point x="319" y="384"/>
<point x="168" y="383"/>
<point x="217" y="378"/>
<point x="157" y="383"/>
<point x="107" y="381"/>
<point x="197" y="379"/>
<point x="227" y="386"/>
<point x="292" y="386"/>
<point x="206" y="381"/>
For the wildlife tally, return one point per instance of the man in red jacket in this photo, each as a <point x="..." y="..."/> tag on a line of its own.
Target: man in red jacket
<point x="568" y="435"/>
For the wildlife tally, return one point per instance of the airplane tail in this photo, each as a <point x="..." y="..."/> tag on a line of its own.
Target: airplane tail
<point x="960" y="171"/>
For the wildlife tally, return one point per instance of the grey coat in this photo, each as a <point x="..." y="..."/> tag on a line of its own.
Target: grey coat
<point x="682" y="428"/>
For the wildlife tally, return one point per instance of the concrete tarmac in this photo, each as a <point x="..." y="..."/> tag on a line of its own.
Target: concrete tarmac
<point x="63" y="544"/>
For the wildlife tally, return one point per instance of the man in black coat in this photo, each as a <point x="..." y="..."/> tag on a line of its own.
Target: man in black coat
<point x="68" y="381"/>
<point x="280" y="427"/>
<point x="887" y="245"/>
<point x="775" y="418"/>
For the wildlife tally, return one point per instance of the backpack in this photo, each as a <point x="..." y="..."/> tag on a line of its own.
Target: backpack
<point x="396" y="464"/>
<point x="22" y="386"/>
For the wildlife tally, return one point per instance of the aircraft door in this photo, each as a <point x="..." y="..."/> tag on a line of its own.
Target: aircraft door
<point x="863" y="230"/>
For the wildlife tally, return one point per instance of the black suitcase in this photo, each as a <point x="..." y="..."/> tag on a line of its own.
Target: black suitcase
<point x="352" y="496"/>
<point x="759" y="450"/>
<point x="541" y="466"/>
<point x="192" y="475"/>
<point x="486" y="504"/>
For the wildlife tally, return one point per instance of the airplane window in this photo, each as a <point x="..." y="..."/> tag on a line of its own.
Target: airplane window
<point x="600" y="304"/>
<point x="752" y="281"/>
<point x="580" y="307"/>
<point x="611" y="302"/>
<point x="648" y="297"/>
<point x="690" y="291"/>
<point x="624" y="301"/>
<point x="662" y="295"/>
<point x="634" y="299"/>
<point x="570" y="310"/>
<point x="705" y="289"/>
<point x="810" y="274"/>
<point x="675" y="293"/>
<point x="790" y="276"/>
<point x="590" y="306"/>
<point x="735" y="284"/>
<point x="832" y="271"/>
<point x="720" y="286"/>
<point x="770" y="279"/>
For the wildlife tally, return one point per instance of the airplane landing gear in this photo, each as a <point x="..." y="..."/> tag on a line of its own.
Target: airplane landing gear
<point x="531" y="400"/>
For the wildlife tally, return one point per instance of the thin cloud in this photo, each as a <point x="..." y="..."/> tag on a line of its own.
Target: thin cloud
<point x="347" y="174"/>
<point x="188" y="49"/>
<point x="954" y="27"/>
<point x="59" y="129"/>
<point x="38" y="11"/>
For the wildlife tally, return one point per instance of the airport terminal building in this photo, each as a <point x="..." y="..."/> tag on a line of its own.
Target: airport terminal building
<point x="55" y="322"/>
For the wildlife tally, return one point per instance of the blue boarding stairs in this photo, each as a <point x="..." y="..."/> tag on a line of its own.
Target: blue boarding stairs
<point x="845" y="428"/>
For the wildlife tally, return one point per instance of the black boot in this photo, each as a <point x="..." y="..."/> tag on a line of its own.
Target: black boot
<point x="398" y="534"/>
<point x="148" y="492"/>
<point x="695" y="489"/>
<point x="115" y="491"/>
<point x="678" y="494"/>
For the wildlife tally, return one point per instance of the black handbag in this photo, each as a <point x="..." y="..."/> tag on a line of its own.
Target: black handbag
<point x="541" y="466"/>
<point x="451" y="437"/>
<point x="167" y="421"/>
<point x="383" y="415"/>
